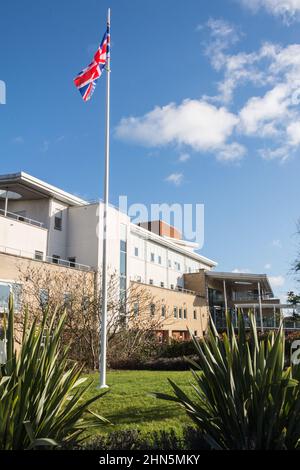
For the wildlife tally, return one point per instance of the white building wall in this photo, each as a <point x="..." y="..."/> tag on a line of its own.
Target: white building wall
<point x="22" y="239"/>
<point x="115" y="222"/>
<point x="167" y="267"/>
<point x="57" y="239"/>
<point x="82" y="240"/>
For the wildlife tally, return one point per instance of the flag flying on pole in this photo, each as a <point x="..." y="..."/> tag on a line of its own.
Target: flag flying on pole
<point x="87" y="79"/>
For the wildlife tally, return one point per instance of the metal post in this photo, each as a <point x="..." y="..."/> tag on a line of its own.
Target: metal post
<point x="6" y="204"/>
<point x="260" y="308"/>
<point x="225" y="296"/>
<point x="103" y="340"/>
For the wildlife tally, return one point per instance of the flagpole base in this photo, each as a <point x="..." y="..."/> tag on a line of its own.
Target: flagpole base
<point x="102" y="387"/>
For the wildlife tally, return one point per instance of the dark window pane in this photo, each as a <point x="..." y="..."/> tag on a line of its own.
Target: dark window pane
<point x="122" y="263"/>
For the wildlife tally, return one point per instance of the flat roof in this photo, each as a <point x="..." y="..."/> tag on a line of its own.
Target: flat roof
<point x="241" y="277"/>
<point x="33" y="188"/>
<point x="171" y="244"/>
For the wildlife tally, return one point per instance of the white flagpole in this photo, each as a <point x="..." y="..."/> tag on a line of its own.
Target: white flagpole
<point x="103" y="339"/>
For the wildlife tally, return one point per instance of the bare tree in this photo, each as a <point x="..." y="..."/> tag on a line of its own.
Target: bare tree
<point x="133" y="320"/>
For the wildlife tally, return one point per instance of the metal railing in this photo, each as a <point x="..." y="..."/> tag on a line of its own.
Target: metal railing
<point x="175" y="289"/>
<point x="21" y="218"/>
<point x="49" y="259"/>
<point x="68" y="264"/>
<point x="268" y="321"/>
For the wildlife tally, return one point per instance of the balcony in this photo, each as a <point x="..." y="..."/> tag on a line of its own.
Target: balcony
<point x="20" y="218"/>
<point x="270" y="320"/>
<point x="39" y="256"/>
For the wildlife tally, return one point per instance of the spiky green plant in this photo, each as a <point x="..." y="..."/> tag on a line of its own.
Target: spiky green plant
<point x="243" y="396"/>
<point x="41" y="394"/>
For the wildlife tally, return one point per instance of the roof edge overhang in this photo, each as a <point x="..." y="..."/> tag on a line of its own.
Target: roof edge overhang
<point x="45" y="189"/>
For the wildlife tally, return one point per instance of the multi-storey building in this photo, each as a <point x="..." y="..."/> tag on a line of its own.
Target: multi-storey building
<point x="40" y="223"/>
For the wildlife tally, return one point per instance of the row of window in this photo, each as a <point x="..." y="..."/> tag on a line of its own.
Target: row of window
<point x="162" y="284"/>
<point x="177" y="265"/>
<point x="178" y="312"/>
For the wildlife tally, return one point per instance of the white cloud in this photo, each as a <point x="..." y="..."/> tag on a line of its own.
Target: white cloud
<point x="267" y="266"/>
<point x="280" y="153"/>
<point x="175" y="178"/>
<point x="277" y="243"/>
<point x="259" y="112"/>
<point x="288" y="10"/>
<point x="194" y="123"/>
<point x="209" y="125"/>
<point x="293" y="132"/>
<point x="241" y="270"/>
<point x="276" y="281"/>
<point x="231" y="152"/>
<point x="184" y="157"/>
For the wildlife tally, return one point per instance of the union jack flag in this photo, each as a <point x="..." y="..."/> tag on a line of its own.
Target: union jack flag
<point x="87" y="79"/>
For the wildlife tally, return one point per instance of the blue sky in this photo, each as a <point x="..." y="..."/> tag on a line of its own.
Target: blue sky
<point x="204" y="110"/>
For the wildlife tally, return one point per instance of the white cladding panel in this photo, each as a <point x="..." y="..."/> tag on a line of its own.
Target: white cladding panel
<point x="118" y="227"/>
<point x="57" y="241"/>
<point x="22" y="239"/>
<point x="82" y="234"/>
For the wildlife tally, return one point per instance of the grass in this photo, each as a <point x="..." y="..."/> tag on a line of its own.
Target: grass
<point x="129" y="405"/>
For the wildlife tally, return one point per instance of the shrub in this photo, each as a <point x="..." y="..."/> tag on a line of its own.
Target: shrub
<point x="177" y="349"/>
<point x="133" y="440"/>
<point x="41" y="394"/>
<point x="161" y="363"/>
<point x="244" y="397"/>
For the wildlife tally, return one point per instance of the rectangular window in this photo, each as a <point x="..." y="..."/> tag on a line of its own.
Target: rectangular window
<point x="169" y="263"/>
<point x="58" y="221"/>
<point x="44" y="297"/>
<point x="152" y="257"/>
<point x="184" y="313"/>
<point x="195" y="315"/>
<point x="180" y="313"/>
<point x="16" y="290"/>
<point x="195" y="333"/>
<point x="136" y="309"/>
<point x="4" y="296"/>
<point x="151" y="282"/>
<point x="152" y="309"/>
<point x="55" y="259"/>
<point x="162" y="284"/>
<point x="122" y="263"/>
<point x="38" y="255"/>
<point x="159" y="260"/>
<point x="85" y="303"/>
<point x="67" y="299"/>
<point x="163" y="311"/>
<point x="5" y="291"/>
<point x="136" y="251"/>
<point x="123" y="245"/>
<point x="175" y="312"/>
<point x="172" y="286"/>
<point x="72" y="262"/>
<point x="123" y="283"/>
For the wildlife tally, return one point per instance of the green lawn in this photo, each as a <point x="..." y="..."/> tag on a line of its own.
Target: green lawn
<point x="128" y="404"/>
